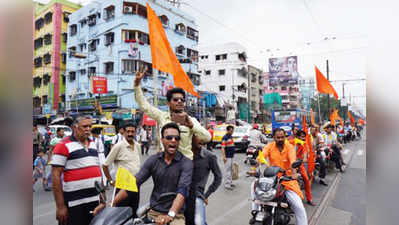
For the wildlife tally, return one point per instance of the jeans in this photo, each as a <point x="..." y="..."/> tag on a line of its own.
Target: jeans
<point x="322" y="163"/>
<point x="228" y="172"/>
<point x="200" y="212"/>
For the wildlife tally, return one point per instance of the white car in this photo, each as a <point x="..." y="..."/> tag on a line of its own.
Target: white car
<point x="67" y="130"/>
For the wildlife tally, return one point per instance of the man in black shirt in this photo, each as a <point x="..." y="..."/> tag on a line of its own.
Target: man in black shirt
<point x="171" y="171"/>
<point x="204" y="162"/>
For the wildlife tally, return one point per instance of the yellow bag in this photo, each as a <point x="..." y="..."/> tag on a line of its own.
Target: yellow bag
<point x="235" y="171"/>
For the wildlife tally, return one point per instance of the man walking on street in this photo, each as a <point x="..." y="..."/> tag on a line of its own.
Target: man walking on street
<point x="98" y="139"/>
<point x="176" y="98"/>
<point x="125" y="154"/>
<point x="144" y="140"/>
<point x="76" y="157"/>
<point x="37" y="141"/>
<point x="171" y="171"/>
<point x="204" y="163"/>
<point x="228" y="156"/>
<point x="118" y="137"/>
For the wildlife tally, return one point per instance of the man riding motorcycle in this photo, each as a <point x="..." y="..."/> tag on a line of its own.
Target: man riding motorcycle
<point x="333" y="147"/>
<point x="283" y="155"/>
<point x="257" y="141"/>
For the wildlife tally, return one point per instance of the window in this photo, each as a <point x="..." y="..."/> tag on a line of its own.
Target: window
<point x="47" y="39"/>
<point x="207" y="72"/>
<point x="38" y="62"/>
<point x="180" y="28"/>
<point x="109" y="38"/>
<point x="134" y="8"/>
<point x="221" y="57"/>
<point x="222" y="88"/>
<point x="93" y="44"/>
<point x="192" y="33"/>
<point x="37" y="82"/>
<point x="143" y="38"/>
<point x="39" y="23"/>
<point x="44" y="99"/>
<point x="72" y="76"/>
<point x="82" y="23"/>
<point x="64" y="37"/>
<point x="192" y="54"/>
<point x="180" y="50"/>
<point x="66" y="15"/>
<point x="131" y="66"/>
<point x="63" y="78"/>
<point x="222" y="72"/>
<point x="242" y="56"/>
<point x="109" y="67"/>
<point x="72" y="51"/>
<point x="82" y="72"/>
<point x="204" y="57"/>
<point x="91" y="20"/>
<point x="63" y="57"/>
<point x="195" y="78"/>
<point x="82" y="47"/>
<point x="73" y="29"/>
<point x="62" y="97"/>
<point x="164" y="20"/>
<point x="47" y="58"/>
<point x="48" y="17"/>
<point x="92" y="71"/>
<point x="253" y="78"/>
<point x="38" y="43"/>
<point x="129" y="35"/>
<point x="283" y="88"/>
<point x="109" y="12"/>
<point x="46" y="79"/>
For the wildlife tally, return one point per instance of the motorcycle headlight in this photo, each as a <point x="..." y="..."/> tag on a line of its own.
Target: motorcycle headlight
<point x="265" y="195"/>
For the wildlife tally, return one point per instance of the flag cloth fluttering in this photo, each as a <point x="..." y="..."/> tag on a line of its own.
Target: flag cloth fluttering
<point x="323" y="85"/>
<point x="312" y="117"/>
<point x="351" y="118"/>
<point x="261" y="158"/>
<point x="163" y="58"/>
<point x="125" y="180"/>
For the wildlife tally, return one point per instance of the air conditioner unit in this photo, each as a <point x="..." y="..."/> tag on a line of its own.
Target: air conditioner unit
<point x="128" y="9"/>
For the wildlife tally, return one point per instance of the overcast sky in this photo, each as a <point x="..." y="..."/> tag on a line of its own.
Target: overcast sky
<point x="314" y="30"/>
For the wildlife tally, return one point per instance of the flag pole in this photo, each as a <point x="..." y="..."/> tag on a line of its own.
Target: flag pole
<point x="154" y="77"/>
<point x="318" y="102"/>
<point x="113" y="196"/>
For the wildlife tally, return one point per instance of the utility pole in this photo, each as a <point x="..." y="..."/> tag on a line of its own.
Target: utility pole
<point x="249" y="97"/>
<point x="345" y="105"/>
<point x="328" y="95"/>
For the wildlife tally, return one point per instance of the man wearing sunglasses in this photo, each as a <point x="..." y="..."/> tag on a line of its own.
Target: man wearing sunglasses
<point x="176" y="102"/>
<point x="171" y="172"/>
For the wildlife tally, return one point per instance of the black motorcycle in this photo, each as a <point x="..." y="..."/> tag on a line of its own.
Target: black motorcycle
<point x="270" y="197"/>
<point x="124" y="215"/>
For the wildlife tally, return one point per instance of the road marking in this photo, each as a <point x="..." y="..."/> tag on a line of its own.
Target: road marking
<point x="346" y="151"/>
<point x="360" y="153"/>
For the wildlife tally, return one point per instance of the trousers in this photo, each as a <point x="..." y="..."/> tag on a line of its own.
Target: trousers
<point x="228" y="172"/>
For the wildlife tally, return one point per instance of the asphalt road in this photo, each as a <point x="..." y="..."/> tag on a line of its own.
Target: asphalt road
<point x="226" y="207"/>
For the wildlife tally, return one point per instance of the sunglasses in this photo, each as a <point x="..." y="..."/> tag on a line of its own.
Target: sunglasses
<point x="178" y="99"/>
<point x="170" y="137"/>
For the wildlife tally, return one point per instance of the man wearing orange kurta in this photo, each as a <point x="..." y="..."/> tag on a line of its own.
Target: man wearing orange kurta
<point x="282" y="154"/>
<point x="303" y="154"/>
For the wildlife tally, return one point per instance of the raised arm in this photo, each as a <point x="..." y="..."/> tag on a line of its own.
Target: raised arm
<point x="200" y="131"/>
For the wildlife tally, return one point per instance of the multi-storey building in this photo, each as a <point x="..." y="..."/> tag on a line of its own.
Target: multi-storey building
<point x="49" y="55"/>
<point x="224" y="70"/>
<point x="256" y="77"/>
<point x="110" y="39"/>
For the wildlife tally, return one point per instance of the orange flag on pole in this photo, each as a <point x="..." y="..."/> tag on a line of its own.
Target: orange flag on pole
<point x="332" y="118"/>
<point x="323" y="85"/>
<point x="163" y="58"/>
<point x="312" y="156"/>
<point x="312" y="117"/>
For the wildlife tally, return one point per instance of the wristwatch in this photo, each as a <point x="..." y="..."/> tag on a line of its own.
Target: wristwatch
<point x="112" y="182"/>
<point x="171" y="214"/>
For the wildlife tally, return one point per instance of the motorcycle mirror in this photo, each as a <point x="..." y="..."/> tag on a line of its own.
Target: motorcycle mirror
<point x="98" y="187"/>
<point x="296" y="164"/>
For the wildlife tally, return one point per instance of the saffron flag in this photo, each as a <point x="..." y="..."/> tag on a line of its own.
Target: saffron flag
<point x="323" y="85"/>
<point x="332" y="118"/>
<point x="125" y="180"/>
<point x="312" y="156"/>
<point x="163" y="58"/>
<point x="312" y="117"/>
<point x="351" y="118"/>
<point x="261" y="158"/>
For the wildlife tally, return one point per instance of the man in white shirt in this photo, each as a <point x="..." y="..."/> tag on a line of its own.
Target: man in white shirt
<point x="231" y="116"/>
<point x="144" y="140"/>
<point x="99" y="143"/>
<point x="118" y="138"/>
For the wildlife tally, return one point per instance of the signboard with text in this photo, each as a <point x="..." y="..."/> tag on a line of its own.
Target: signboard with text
<point x="99" y="85"/>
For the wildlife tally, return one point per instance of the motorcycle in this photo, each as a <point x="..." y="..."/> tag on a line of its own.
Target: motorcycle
<point x="124" y="215"/>
<point x="252" y="153"/>
<point x="269" y="196"/>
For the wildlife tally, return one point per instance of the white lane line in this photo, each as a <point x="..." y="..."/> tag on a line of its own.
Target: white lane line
<point x="360" y="153"/>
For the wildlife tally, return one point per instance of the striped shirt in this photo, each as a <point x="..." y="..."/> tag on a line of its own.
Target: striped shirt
<point x="81" y="170"/>
<point x="228" y="145"/>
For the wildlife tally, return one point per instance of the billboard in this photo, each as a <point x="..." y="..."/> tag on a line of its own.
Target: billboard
<point x="99" y="85"/>
<point x="283" y="71"/>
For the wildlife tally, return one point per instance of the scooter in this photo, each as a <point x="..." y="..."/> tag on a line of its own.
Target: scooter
<point x="252" y="152"/>
<point x="124" y="215"/>
<point x="269" y="197"/>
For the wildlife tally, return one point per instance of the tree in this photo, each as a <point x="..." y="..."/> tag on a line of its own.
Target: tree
<point x="334" y="104"/>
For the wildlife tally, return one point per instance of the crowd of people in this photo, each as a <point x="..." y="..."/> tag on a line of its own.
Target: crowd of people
<point x="182" y="164"/>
